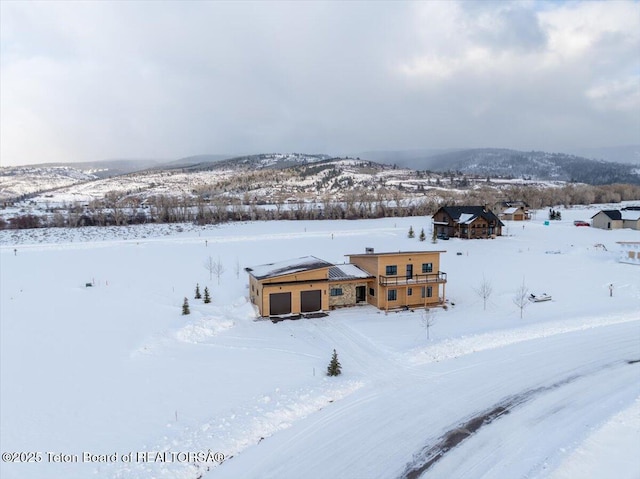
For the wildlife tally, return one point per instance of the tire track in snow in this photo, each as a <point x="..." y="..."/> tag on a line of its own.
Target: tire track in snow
<point x="464" y="429"/>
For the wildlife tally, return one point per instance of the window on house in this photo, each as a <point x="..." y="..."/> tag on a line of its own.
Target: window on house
<point x="409" y="291"/>
<point x="336" y="292"/>
<point x="372" y="292"/>
<point x="392" y="295"/>
<point x="392" y="270"/>
<point x="427" y="267"/>
<point x="427" y="291"/>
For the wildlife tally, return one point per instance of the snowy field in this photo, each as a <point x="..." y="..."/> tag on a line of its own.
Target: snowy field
<point x="111" y="381"/>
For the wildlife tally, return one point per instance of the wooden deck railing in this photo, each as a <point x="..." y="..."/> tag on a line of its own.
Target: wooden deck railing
<point x="439" y="277"/>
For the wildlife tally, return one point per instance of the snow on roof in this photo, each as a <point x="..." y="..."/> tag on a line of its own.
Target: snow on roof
<point x="291" y="266"/>
<point x="510" y="211"/>
<point x="347" y="271"/>
<point x="466" y="218"/>
<point x="628" y="215"/>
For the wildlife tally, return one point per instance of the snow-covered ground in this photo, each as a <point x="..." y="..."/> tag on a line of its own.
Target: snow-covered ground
<point x="115" y="371"/>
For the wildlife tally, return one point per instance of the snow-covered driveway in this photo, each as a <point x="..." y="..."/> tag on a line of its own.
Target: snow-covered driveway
<point x="555" y="390"/>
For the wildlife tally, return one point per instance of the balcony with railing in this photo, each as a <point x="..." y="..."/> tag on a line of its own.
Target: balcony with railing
<point x="439" y="277"/>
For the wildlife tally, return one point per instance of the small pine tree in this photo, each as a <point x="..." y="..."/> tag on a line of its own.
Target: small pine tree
<point x="207" y="297"/>
<point x="198" y="295"/>
<point x="334" y="368"/>
<point x="411" y="233"/>
<point x="422" y="236"/>
<point x="185" y="307"/>
<point x="434" y="236"/>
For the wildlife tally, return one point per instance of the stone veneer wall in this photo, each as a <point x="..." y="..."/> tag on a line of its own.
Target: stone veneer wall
<point x="348" y="297"/>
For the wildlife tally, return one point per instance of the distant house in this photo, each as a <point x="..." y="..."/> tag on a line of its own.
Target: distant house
<point x="629" y="252"/>
<point x="514" y="211"/>
<point x="385" y="280"/>
<point x="630" y="218"/>
<point x="615" y="219"/>
<point x="468" y="222"/>
<point x="607" y="220"/>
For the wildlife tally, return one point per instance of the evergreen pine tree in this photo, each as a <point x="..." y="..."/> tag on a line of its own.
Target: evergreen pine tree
<point x="434" y="236"/>
<point x="411" y="233"/>
<point x="185" y="307"/>
<point x="334" y="368"/>
<point x="198" y="295"/>
<point x="207" y="298"/>
<point x="422" y="236"/>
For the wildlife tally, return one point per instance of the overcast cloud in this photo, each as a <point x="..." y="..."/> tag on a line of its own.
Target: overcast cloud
<point x="83" y="81"/>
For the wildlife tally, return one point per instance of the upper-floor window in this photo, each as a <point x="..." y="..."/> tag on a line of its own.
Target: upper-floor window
<point x="392" y="270"/>
<point x="427" y="267"/>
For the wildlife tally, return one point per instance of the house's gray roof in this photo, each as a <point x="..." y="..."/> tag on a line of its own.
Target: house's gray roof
<point x="612" y="214"/>
<point x="291" y="266"/>
<point x="347" y="271"/>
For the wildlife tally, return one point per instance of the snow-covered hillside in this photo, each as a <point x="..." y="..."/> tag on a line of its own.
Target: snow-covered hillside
<point x="24" y="180"/>
<point x="114" y="375"/>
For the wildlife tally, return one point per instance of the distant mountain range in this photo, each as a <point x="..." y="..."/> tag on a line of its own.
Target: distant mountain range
<point x="490" y="163"/>
<point x="496" y="162"/>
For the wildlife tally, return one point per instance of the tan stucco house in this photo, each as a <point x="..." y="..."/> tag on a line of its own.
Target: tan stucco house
<point x="385" y="280"/>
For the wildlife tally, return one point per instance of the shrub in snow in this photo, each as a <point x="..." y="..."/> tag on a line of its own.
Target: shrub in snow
<point x="411" y="233"/>
<point x="198" y="295"/>
<point x="207" y="298"/>
<point x="185" y="307"/>
<point x="422" y="236"/>
<point x="334" y="368"/>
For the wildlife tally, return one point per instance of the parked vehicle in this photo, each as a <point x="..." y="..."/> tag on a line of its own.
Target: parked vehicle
<point x="581" y="223"/>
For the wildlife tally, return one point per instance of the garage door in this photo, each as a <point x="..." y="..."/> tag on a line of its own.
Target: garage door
<point x="310" y="301"/>
<point x="279" y="303"/>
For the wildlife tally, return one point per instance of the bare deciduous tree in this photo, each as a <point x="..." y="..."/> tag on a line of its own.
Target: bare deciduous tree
<point x="214" y="267"/>
<point x="209" y="265"/>
<point x="427" y="319"/>
<point x="484" y="290"/>
<point x="521" y="298"/>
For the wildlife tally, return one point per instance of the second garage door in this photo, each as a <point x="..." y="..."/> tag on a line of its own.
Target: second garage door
<point x="310" y="301"/>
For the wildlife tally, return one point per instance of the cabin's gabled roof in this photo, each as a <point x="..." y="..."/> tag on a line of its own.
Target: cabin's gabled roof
<point x="467" y="214"/>
<point x="291" y="266"/>
<point x="612" y="214"/>
<point x="347" y="271"/>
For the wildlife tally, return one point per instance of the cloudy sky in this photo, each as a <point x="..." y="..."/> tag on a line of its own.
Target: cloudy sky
<point x="84" y="81"/>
